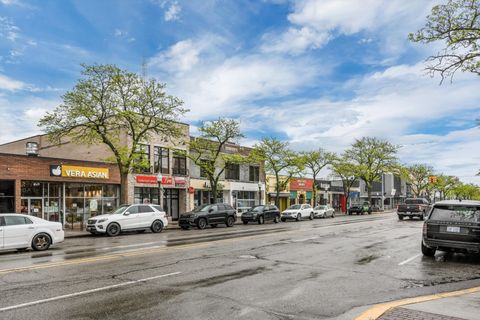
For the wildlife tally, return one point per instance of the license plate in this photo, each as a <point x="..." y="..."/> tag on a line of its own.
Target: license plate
<point x="453" y="229"/>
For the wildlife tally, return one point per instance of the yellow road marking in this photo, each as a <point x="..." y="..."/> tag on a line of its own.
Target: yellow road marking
<point x="379" y="309"/>
<point x="121" y="255"/>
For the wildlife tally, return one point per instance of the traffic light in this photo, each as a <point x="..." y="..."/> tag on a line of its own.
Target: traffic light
<point x="432" y="179"/>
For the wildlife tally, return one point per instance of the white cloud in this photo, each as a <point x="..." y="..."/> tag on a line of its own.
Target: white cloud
<point x="10" y="84"/>
<point x="8" y="29"/>
<point x="25" y="111"/>
<point x="316" y="22"/>
<point x="173" y="11"/>
<point x="180" y="57"/>
<point x="295" y="40"/>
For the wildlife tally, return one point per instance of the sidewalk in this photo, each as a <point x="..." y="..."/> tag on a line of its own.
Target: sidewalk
<point x="456" y="305"/>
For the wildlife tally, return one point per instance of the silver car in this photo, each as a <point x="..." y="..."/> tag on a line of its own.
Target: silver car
<point x="323" y="211"/>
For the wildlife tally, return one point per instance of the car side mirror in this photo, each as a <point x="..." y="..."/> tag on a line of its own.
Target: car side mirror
<point x="126" y="213"/>
<point x="210" y="210"/>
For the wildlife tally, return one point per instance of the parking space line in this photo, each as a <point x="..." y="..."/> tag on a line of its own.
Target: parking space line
<point x="80" y="293"/>
<point x="409" y="259"/>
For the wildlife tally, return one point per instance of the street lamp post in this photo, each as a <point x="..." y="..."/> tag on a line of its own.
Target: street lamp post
<point x="259" y="193"/>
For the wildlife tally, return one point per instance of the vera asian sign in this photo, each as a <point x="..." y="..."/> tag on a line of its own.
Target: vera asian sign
<point x="78" y="172"/>
<point x="301" y="184"/>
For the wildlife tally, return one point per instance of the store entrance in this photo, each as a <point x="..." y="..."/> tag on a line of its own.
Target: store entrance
<point x="32" y="206"/>
<point x="171" y="203"/>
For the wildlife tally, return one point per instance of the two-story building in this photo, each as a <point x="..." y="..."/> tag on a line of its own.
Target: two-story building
<point x="71" y="182"/>
<point x="241" y="185"/>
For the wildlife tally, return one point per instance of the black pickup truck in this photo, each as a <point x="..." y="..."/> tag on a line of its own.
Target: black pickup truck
<point x="413" y="207"/>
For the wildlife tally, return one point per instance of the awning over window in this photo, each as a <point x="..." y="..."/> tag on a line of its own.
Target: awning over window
<point x="293" y="194"/>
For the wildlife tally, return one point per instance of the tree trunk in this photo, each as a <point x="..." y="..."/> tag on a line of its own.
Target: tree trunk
<point x="277" y="190"/>
<point x="369" y="189"/>
<point x="123" y="188"/>
<point x="213" y="185"/>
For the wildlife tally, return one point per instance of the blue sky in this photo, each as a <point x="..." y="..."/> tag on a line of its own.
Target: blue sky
<point x="318" y="73"/>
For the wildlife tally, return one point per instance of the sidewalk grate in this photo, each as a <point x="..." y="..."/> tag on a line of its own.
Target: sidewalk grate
<point x="408" y="314"/>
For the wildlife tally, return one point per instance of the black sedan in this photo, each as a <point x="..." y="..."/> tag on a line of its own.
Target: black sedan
<point x="208" y="214"/>
<point x="452" y="226"/>
<point x="261" y="214"/>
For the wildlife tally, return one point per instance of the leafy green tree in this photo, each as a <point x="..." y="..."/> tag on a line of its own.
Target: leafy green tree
<point x="315" y="161"/>
<point x="117" y="108"/>
<point x="371" y="158"/>
<point x="209" y="153"/>
<point x="465" y="191"/>
<point x="279" y="159"/>
<point x="418" y="175"/>
<point x="457" y="25"/>
<point x="343" y="168"/>
<point x="445" y="184"/>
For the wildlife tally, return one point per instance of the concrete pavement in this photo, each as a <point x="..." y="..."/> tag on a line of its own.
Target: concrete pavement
<point x="462" y="307"/>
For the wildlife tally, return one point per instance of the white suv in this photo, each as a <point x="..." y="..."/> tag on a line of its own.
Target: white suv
<point x="139" y="217"/>
<point x="297" y="212"/>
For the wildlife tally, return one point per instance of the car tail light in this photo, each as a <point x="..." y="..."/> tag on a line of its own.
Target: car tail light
<point x="425" y="229"/>
<point x="397" y="206"/>
<point x="419" y="207"/>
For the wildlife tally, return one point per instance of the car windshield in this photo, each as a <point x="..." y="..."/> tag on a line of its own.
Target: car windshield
<point x="120" y="210"/>
<point x="202" y="208"/>
<point x="320" y="207"/>
<point x="456" y="213"/>
<point x="295" y="207"/>
<point x="257" y="208"/>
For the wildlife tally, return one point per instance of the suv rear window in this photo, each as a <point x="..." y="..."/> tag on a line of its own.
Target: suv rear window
<point x="414" y="201"/>
<point x="456" y="213"/>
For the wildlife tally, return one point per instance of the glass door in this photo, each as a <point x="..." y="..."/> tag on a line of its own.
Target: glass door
<point x="32" y="207"/>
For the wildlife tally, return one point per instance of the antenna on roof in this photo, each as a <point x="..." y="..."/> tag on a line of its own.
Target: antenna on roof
<point x="144" y="68"/>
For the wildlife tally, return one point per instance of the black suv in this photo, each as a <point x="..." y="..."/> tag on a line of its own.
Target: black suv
<point x="452" y="226"/>
<point x="208" y="214"/>
<point x="261" y="214"/>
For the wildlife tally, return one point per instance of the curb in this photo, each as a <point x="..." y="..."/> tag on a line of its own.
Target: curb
<point x="376" y="311"/>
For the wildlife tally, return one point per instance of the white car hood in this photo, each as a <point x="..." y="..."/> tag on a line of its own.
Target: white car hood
<point x="102" y="216"/>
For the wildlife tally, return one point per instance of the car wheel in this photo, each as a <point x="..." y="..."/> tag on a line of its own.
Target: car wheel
<point x="299" y="217"/>
<point x="113" y="229"/>
<point x="283" y="220"/>
<point x="41" y="242"/>
<point x="276" y="220"/>
<point x="400" y="217"/>
<point x="428" y="252"/>
<point x="201" y="223"/>
<point x="245" y="222"/>
<point x="185" y="227"/>
<point x="333" y="214"/>
<point x="157" y="226"/>
<point x="311" y="216"/>
<point x="261" y="220"/>
<point x="214" y="225"/>
<point x="230" y="221"/>
<point x="349" y="213"/>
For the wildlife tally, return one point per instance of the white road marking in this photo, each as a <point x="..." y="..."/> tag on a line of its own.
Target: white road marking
<point x="409" y="260"/>
<point x="80" y="293"/>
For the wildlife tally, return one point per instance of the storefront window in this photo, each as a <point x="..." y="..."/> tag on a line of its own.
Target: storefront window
<point x="32" y="189"/>
<point x="146" y="195"/>
<point x="245" y="200"/>
<point x="7" y="196"/>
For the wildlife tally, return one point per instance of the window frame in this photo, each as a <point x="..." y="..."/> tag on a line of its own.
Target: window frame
<point x="161" y="154"/>
<point x="176" y="166"/>
<point x="145" y="151"/>
<point x="254" y="173"/>
<point x="232" y="171"/>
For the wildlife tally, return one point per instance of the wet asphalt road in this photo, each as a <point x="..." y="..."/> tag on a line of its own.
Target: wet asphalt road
<point x="321" y="269"/>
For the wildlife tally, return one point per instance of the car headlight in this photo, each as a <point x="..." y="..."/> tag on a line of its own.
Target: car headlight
<point x="101" y="220"/>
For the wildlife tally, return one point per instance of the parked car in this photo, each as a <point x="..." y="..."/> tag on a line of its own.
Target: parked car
<point x="208" y="214"/>
<point x="19" y="231"/>
<point x="297" y="212"/>
<point x="452" y="226"/>
<point x="413" y="207"/>
<point x="365" y="207"/>
<point x="261" y="214"/>
<point x="324" y="211"/>
<point x="136" y="217"/>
